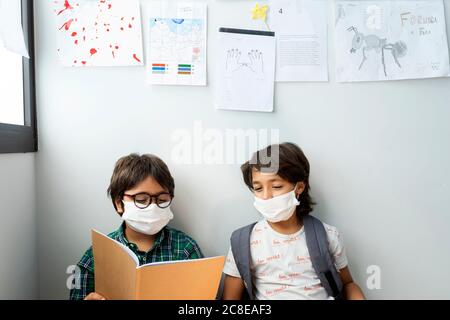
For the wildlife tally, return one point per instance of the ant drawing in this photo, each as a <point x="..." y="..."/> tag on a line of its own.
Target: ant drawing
<point x="373" y="42"/>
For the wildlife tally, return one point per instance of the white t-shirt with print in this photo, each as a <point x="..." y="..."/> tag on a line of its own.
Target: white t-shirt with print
<point x="281" y="266"/>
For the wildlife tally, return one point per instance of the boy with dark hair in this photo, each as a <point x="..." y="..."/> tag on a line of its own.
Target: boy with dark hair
<point x="288" y="254"/>
<point x="141" y="190"/>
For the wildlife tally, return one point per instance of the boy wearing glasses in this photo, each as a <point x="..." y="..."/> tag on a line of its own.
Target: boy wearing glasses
<point x="141" y="190"/>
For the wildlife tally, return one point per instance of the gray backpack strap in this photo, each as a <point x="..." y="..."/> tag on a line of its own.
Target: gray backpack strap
<point x="240" y="247"/>
<point x="317" y="242"/>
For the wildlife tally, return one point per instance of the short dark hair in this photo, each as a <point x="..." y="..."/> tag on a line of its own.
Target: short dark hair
<point x="131" y="170"/>
<point x="291" y="165"/>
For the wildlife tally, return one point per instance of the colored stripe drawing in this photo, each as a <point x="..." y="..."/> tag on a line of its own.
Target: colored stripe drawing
<point x="159" y="68"/>
<point x="184" y="69"/>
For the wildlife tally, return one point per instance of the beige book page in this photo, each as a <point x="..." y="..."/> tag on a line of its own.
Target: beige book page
<point x="180" y="280"/>
<point x="115" y="268"/>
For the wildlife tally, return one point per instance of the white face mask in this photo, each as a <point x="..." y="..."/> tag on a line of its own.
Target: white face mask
<point x="279" y="208"/>
<point x="149" y="220"/>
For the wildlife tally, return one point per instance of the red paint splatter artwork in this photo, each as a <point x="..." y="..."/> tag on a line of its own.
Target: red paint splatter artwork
<point x="99" y="32"/>
<point x="66" y="25"/>
<point x="67" y="6"/>
<point x="136" y="58"/>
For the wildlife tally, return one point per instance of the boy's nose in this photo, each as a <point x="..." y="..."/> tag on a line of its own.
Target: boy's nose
<point x="267" y="194"/>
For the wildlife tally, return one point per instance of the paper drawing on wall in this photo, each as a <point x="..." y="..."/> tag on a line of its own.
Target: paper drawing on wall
<point x="246" y="70"/>
<point x="372" y="42"/>
<point x="178" y="43"/>
<point x="390" y="40"/>
<point x="301" y="29"/>
<point x="99" y="33"/>
<point x="236" y="63"/>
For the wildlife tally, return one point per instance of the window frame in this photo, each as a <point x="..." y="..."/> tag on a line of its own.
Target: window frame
<point x="17" y="138"/>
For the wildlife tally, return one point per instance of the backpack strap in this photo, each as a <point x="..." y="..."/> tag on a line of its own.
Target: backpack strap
<point x="317" y="242"/>
<point x="240" y="247"/>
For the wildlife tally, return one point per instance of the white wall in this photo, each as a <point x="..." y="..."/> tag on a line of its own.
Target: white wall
<point x="379" y="153"/>
<point x="19" y="271"/>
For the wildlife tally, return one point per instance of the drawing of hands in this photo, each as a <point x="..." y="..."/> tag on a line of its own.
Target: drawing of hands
<point x="256" y="62"/>
<point x="233" y="57"/>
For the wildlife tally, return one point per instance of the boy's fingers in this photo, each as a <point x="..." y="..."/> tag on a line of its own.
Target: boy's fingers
<point x="95" y="296"/>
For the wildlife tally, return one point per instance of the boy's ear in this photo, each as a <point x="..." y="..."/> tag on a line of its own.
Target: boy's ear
<point x="300" y="188"/>
<point x="119" y="207"/>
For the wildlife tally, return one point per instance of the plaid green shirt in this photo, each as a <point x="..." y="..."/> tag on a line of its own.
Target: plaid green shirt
<point x="170" y="244"/>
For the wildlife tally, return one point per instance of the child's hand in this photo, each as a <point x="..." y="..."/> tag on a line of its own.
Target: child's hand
<point x="94" y="296"/>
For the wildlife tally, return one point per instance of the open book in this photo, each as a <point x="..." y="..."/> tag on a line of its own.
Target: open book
<point x="118" y="275"/>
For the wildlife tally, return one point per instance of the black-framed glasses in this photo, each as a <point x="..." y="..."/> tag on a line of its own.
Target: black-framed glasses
<point x="144" y="200"/>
